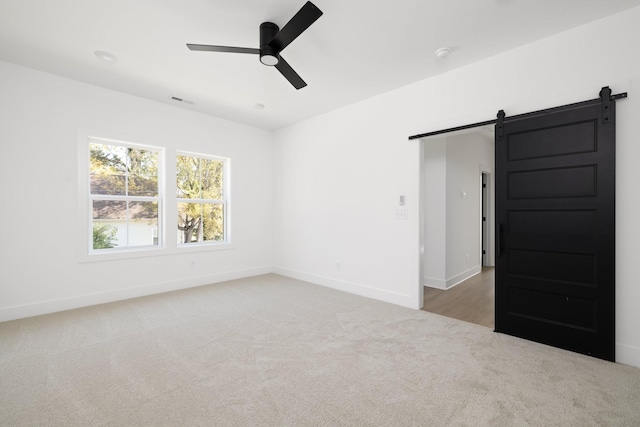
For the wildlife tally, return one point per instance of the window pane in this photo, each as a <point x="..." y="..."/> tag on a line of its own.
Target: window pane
<point x="200" y="179"/>
<point x="128" y="173"/>
<point x="105" y="236"/>
<point x="213" y="228"/>
<point x="143" y="223"/>
<point x="143" y="173"/>
<point x="107" y="168"/>
<point x="109" y="224"/>
<point x="211" y="178"/>
<point x="189" y="222"/>
<point x="110" y="210"/>
<point x="188" y="177"/>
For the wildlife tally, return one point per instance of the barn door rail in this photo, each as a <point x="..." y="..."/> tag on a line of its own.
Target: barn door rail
<point x="605" y="97"/>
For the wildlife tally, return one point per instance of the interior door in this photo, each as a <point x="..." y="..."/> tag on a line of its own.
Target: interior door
<point x="555" y="224"/>
<point x="485" y="222"/>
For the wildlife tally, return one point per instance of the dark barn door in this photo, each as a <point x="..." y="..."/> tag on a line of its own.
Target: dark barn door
<point x="555" y="189"/>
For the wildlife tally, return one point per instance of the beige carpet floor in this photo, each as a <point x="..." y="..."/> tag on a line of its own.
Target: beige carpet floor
<point x="273" y="351"/>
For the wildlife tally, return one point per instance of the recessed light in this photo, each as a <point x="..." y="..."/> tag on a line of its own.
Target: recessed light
<point x="442" y="53"/>
<point x="105" y="56"/>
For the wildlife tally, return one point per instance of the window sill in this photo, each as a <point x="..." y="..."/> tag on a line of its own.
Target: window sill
<point x="155" y="252"/>
<point x="203" y="247"/>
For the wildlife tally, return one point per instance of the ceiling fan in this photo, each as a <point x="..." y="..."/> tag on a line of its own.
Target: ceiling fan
<point x="273" y="40"/>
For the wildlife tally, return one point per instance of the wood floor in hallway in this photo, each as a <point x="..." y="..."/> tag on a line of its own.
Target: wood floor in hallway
<point x="472" y="300"/>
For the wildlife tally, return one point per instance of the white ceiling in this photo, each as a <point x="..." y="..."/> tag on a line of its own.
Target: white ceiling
<point x="356" y="50"/>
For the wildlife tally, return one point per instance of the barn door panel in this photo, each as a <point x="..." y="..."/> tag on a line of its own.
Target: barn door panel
<point x="555" y="200"/>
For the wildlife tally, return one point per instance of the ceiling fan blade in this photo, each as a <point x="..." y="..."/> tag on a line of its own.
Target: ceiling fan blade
<point x="289" y="74"/>
<point x="302" y="20"/>
<point x="230" y="49"/>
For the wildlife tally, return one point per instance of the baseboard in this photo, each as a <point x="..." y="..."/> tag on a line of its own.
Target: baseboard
<point x="459" y="278"/>
<point x="52" y="306"/>
<point x="432" y="282"/>
<point x="628" y="355"/>
<point x="350" y="287"/>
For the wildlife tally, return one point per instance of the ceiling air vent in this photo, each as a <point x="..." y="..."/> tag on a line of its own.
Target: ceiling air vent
<point x="175" y="98"/>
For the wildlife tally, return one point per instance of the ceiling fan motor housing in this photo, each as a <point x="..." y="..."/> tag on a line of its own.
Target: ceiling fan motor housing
<point x="269" y="55"/>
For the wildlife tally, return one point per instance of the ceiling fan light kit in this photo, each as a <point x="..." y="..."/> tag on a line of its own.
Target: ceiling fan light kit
<point x="273" y="40"/>
<point x="268" y="54"/>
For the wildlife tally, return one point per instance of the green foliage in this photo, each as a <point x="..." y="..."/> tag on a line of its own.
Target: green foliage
<point x="104" y="236"/>
<point x="117" y="170"/>
<point x="200" y="180"/>
<point x="123" y="171"/>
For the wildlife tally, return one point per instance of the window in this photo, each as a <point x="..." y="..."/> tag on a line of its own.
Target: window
<point x="201" y="199"/>
<point x="124" y="196"/>
<point x="123" y="187"/>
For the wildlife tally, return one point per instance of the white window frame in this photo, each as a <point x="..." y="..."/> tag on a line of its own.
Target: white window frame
<point x="225" y="202"/>
<point x="86" y="253"/>
<point x="167" y="224"/>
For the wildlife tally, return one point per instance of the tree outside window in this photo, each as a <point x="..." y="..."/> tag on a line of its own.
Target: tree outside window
<point x="201" y="199"/>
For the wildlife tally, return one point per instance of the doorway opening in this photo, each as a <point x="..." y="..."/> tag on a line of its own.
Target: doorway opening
<point x="458" y="258"/>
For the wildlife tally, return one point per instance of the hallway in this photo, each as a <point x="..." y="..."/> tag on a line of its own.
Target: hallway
<point x="472" y="300"/>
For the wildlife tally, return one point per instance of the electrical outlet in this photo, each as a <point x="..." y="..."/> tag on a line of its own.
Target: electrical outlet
<point x="402" y="213"/>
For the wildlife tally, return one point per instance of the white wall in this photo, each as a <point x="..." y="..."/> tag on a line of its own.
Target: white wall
<point x="41" y="115"/>
<point x="338" y="176"/>
<point x="435" y="212"/>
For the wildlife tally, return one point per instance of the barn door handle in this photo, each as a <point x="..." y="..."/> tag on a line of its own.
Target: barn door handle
<point x="499" y="239"/>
